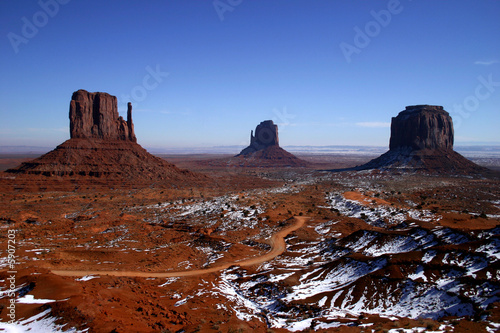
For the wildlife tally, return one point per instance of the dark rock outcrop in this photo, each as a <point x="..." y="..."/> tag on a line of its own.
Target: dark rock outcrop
<point x="422" y="140"/>
<point x="264" y="149"/>
<point x="103" y="146"/>
<point x="95" y="115"/>
<point x="266" y="135"/>
<point x="422" y="127"/>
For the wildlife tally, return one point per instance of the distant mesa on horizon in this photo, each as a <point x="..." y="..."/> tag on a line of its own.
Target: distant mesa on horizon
<point x="102" y="145"/>
<point x="422" y="140"/>
<point x="264" y="149"/>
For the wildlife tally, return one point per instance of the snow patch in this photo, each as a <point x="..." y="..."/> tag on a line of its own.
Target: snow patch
<point x="30" y="299"/>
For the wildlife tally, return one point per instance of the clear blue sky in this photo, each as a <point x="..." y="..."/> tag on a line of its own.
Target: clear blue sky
<point x="328" y="72"/>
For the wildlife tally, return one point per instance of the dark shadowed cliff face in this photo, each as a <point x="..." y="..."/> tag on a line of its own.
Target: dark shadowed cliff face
<point x="422" y="127"/>
<point x="95" y="115"/>
<point x="266" y="135"/>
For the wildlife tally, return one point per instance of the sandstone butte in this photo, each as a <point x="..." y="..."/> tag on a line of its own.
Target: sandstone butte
<point x="102" y="145"/>
<point x="264" y="149"/>
<point x="422" y="140"/>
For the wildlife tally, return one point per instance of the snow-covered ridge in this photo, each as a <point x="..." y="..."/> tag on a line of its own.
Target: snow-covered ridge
<point x="379" y="215"/>
<point x="434" y="282"/>
<point x="40" y="323"/>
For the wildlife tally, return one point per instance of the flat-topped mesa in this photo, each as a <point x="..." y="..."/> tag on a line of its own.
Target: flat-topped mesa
<point x="422" y="127"/>
<point x="422" y="141"/>
<point x="95" y="115"/>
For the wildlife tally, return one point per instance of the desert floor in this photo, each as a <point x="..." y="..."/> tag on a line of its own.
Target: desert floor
<point x="252" y="250"/>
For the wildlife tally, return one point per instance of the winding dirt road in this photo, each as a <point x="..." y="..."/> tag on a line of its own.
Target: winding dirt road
<point x="278" y="246"/>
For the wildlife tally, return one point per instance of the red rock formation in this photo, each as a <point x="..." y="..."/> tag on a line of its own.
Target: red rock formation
<point x="130" y="124"/>
<point x="422" y="140"/>
<point x="266" y="135"/>
<point x="264" y="149"/>
<point x="100" y="158"/>
<point x="95" y="115"/>
<point x="422" y="127"/>
<point x="102" y="145"/>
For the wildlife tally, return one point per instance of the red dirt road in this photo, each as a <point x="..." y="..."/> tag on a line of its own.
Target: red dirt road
<point x="278" y="246"/>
